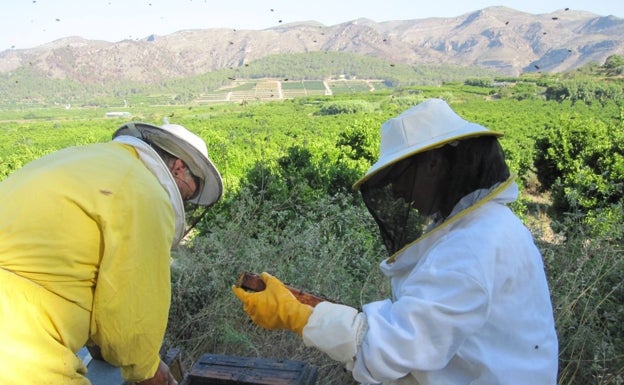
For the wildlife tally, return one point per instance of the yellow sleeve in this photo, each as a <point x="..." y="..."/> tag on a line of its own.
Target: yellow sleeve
<point x="132" y="294"/>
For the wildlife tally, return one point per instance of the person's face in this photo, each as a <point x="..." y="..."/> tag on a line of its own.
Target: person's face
<point x="416" y="181"/>
<point x="184" y="179"/>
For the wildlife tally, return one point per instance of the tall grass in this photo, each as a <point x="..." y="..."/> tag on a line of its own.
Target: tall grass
<point x="588" y="298"/>
<point x="328" y="247"/>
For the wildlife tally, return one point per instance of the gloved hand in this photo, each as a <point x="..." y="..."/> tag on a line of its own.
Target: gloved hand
<point x="162" y="377"/>
<point x="275" y="307"/>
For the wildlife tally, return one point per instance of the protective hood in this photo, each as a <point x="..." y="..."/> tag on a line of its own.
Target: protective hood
<point x="428" y="125"/>
<point x="185" y="145"/>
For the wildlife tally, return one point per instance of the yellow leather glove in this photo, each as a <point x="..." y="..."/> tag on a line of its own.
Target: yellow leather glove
<point x="275" y="307"/>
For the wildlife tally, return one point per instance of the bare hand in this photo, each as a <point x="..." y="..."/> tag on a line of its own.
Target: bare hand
<point x="162" y="377"/>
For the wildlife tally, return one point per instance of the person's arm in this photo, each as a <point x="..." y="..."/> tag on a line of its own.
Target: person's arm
<point x="132" y="294"/>
<point x="333" y="328"/>
<point x="163" y="376"/>
<point x="423" y="329"/>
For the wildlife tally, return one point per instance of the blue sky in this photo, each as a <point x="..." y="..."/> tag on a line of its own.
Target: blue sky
<point x="28" y="23"/>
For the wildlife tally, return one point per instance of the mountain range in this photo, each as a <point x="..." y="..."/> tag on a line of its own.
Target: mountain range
<point x="498" y="38"/>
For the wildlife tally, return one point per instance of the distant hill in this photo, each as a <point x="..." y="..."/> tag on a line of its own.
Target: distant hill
<point x="495" y="38"/>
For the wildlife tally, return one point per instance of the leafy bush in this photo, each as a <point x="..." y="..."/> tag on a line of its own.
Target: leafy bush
<point x="584" y="90"/>
<point x="614" y="65"/>
<point x="582" y="162"/>
<point x="345" y="107"/>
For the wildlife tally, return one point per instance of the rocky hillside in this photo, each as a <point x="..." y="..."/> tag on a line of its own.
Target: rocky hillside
<point x="498" y="38"/>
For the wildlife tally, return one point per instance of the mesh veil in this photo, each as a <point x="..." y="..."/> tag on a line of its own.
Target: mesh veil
<point x="476" y="163"/>
<point x="398" y="221"/>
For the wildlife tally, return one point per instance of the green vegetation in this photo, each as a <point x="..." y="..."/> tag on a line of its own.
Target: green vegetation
<point x="26" y="87"/>
<point x="288" y="208"/>
<point x="580" y="161"/>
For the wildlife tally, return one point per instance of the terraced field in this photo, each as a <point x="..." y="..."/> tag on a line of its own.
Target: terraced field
<point x="272" y="89"/>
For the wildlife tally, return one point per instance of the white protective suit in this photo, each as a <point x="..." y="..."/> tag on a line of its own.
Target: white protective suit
<point x="471" y="306"/>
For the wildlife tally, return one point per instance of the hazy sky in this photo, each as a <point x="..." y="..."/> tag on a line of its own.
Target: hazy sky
<point x="28" y="23"/>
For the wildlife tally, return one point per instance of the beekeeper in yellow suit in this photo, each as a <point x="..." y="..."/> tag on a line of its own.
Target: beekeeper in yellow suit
<point x="85" y="241"/>
<point x="470" y="301"/>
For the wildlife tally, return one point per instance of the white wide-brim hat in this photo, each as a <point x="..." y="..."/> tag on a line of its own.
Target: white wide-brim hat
<point x="428" y="125"/>
<point x="185" y="145"/>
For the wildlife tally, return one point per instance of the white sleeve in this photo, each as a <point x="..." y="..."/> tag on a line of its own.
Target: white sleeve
<point x="335" y="330"/>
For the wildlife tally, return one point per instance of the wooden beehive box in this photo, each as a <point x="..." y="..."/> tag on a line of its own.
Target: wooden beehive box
<point x="216" y="369"/>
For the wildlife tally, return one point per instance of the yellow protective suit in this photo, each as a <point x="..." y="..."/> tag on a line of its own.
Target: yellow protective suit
<point x="85" y="240"/>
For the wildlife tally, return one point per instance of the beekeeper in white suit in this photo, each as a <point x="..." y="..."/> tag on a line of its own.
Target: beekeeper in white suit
<point x="470" y="302"/>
